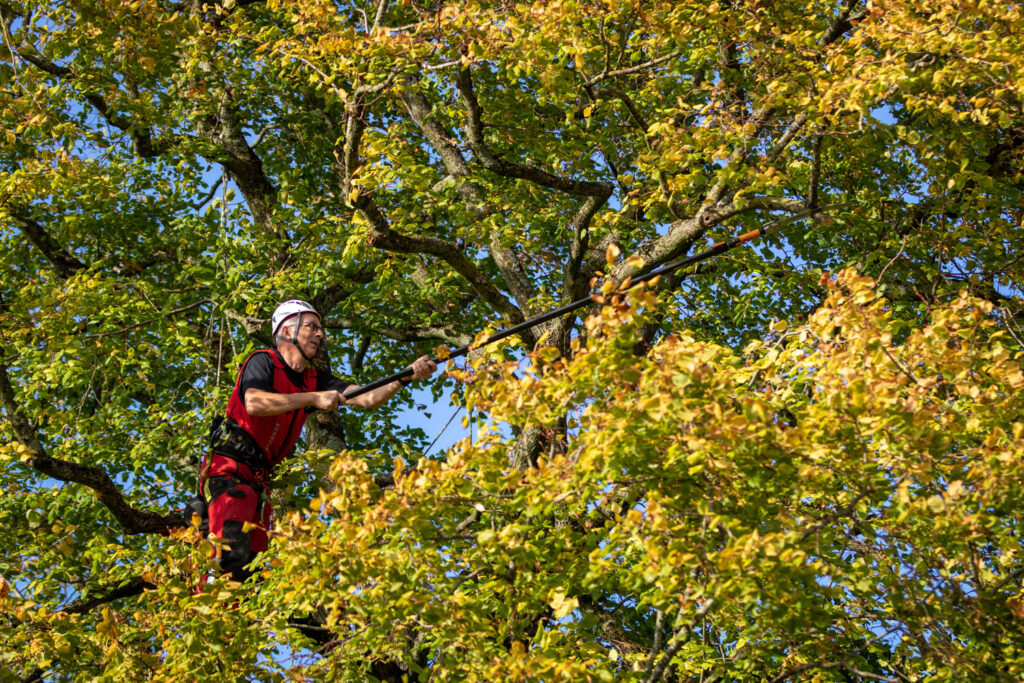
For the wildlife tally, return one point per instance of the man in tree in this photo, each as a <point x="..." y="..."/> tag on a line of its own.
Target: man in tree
<point x="275" y="390"/>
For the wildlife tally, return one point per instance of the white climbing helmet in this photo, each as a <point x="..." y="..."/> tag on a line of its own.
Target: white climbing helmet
<point x="287" y="310"/>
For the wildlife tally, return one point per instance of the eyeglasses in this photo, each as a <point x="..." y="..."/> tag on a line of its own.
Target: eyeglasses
<point x="313" y="327"/>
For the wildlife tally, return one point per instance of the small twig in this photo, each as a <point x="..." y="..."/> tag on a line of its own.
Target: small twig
<point x="464" y="524"/>
<point x="261" y="134"/>
<point x="1007" y="318"/>
<point x="209" y="195"/>
<point x="812" y="190"/>
<point x="443" y="65"/>
<point x="887" y="265"/>
<point x="150" y="320"/>
<point x="905" y="371"/>
<point x="787" y="136"/>
<point x="632" y="69"/>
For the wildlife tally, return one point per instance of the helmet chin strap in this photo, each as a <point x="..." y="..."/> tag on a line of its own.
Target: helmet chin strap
<point x="294" y="341"/>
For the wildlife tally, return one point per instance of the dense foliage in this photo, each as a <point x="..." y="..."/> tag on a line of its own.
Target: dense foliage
<point x="803" y="459"/>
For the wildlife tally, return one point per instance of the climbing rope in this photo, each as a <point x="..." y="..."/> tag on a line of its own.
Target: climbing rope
<point x="446" y="425"/>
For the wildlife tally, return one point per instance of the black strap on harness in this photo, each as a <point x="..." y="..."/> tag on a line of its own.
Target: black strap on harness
<point x="227" y="437"/>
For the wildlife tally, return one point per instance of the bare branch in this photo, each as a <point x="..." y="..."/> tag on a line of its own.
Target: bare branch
<point x="162" y="316"/>
<point x="442" y="142"/>
<point x="627" y="101"/>
<point x="142" y="138"/>
<point x="210" y="195"/>
<point x="759" y="120"/>
<point x="656" y="646"/>
<point x="445" y="333"/>
<point x="383" y="237"/>
<point x="254" y="327"/>
<point x="787" y="137"/>
<point x="632" y="69"/>
<point x="750" y="204"/>
<point x="576" y="275"/>
<point x="812" y="183"/>
<point x="360" y="355"/>
<point x="789" y="673"/>
<point x="243" y="165"/>
<point x="382" y="7"/>
<point x="506" y="259"/>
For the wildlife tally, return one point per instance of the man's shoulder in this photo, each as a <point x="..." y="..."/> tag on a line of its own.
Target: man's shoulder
<point x="259" y="363"/>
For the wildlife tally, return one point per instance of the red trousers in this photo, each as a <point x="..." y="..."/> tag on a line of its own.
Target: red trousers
<point x="236" y="498"/>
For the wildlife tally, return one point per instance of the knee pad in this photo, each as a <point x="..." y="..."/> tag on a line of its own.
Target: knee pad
<point x="239" y="551"/>
<point x="232" y="505"/>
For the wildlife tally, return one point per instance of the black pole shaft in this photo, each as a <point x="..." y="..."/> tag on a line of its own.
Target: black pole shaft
<point x="560" y="311"/>
<point x="580" y="303"/>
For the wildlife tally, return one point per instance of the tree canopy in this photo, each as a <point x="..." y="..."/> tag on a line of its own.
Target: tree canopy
<point x="800" y="460"/>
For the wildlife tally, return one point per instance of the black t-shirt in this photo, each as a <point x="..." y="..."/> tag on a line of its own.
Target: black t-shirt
<point x="259" y="374"/>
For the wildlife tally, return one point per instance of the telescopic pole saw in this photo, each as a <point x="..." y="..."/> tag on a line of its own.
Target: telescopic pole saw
<point x="710" y="253"/>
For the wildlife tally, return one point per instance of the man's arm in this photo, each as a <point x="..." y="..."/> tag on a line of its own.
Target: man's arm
<point x="422" y="368"/>
<point x="260" y="403"/>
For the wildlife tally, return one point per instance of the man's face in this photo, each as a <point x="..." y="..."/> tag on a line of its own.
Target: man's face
<point x="310" y="335"/>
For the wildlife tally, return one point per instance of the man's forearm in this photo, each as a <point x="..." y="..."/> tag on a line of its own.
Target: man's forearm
<point x="259" y="403"/>
<point x="378" y="396"/>
<point x="422" y="368"/>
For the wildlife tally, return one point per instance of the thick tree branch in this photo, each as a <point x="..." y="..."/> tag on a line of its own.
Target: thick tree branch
<point x="684" y="232"/>
<point x="843" y="23"/>
<point x="243" y="165"/>
<point x="752" y="203"/>
<point x="131" y="520"/>
<point x="495" y="164"/>
<point x="382" y="7"/>
<point x="731" y="69"/>
<point x="383" y="237"/>
<point x="133" y="587"/>
<point x="63" y="262"/>
<point x="787" y="137"/>
<point x="445" y="333"/>
<point x="239" y="159"/>
<point x="759" y="120"/>
<point x="142" y="138"/>
<point x="506" y="259"/>
<point x="677" y="641"/>
<point x="578" y="271"/>
<point x="337" y="292"/>
<point x="681" y="234"/>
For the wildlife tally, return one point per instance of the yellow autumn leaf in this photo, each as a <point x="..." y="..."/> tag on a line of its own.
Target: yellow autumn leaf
<point x="611" y="253"/>
<point x="562" y="605"/>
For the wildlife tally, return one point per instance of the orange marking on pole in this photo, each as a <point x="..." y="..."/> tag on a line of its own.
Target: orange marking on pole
<point x="750" y="235"/>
